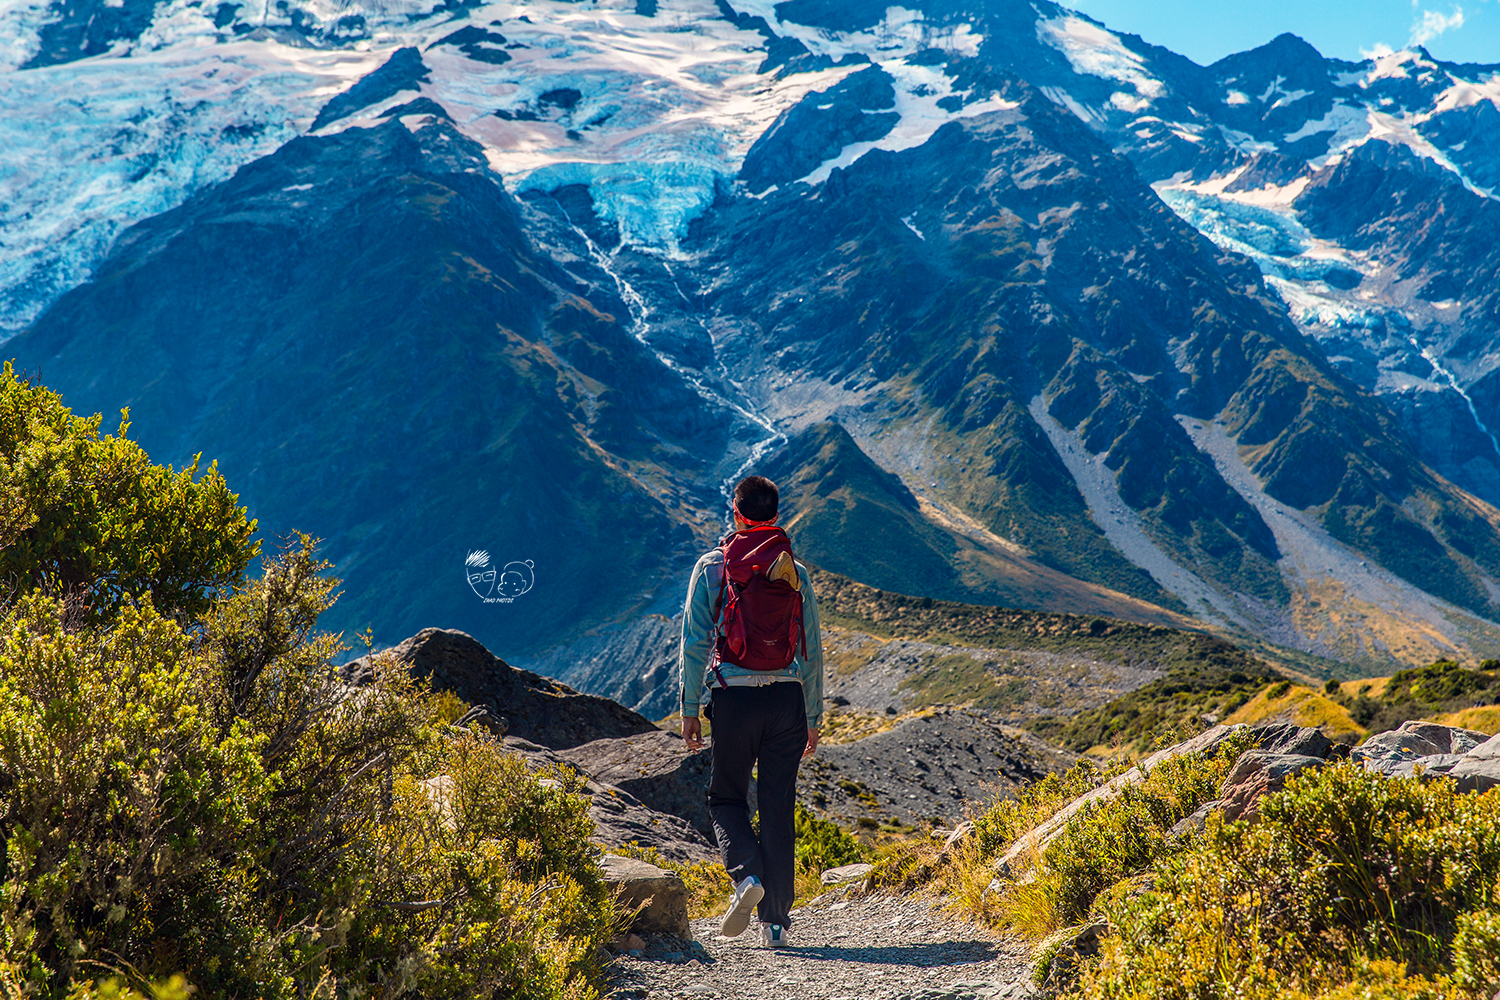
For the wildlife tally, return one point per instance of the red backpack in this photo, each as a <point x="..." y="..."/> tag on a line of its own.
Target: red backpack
<point x="760" y="620"/>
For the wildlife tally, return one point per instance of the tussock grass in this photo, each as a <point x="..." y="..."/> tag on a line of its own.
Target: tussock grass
<point x="1302" y="706"/>
<point x="1485" y="719"/>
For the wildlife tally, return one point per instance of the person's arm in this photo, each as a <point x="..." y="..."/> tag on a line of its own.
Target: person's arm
<point x="697" y="641"/>
<point x="812" y="663"/>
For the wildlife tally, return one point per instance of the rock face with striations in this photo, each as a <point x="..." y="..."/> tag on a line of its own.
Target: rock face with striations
<point x="657" y="768"/>
<point x="619" y="817"/>
<point x="537" y="709"/>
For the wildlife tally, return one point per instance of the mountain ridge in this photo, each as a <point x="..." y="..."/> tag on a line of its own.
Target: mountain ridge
<point x="1033" y="271"/>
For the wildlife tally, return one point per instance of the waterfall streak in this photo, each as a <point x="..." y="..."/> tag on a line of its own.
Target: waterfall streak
<point x="640" y="324"/>
<point x="1437" y="366"/>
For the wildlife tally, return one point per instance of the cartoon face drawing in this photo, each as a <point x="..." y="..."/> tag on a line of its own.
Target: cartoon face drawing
<point x="517" y="578"/>
<point x="481" y="577"/>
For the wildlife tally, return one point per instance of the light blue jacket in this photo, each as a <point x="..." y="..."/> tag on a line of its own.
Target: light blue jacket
<point x="698" y="617"/>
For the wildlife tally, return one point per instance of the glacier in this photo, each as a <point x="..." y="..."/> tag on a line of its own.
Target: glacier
<point x="667" y="107"/>
<point x="653" y="203"/>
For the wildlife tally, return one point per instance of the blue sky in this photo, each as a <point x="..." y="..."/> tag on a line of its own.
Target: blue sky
<point x="1467" y="31"/>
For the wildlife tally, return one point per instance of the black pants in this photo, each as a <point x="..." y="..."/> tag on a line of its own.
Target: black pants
<point x="764" y="726"/>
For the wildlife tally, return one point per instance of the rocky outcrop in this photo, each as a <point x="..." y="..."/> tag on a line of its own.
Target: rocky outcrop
<point x="1432" y="750"/>
<point x="619" y="817"/>
<point x="656" y="768"/>
<point x="1031" y="845"/>
<point x="845" y="873"/>
<point x="1282" y="750"/>
<point x="660" y="895"/>
<point x="1258" y="774"/>
<point x="535" y="708"/>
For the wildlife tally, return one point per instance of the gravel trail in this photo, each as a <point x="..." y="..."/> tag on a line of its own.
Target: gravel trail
<point x="871" y="948"/>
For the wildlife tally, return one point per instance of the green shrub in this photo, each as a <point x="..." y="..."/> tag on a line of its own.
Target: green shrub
<point x="997" y="827"/>
<point x="1351" y="884"/>
<point x="233" y="809"/>
<point x="481" y="882"/>
<point x="92" y="519"/>
<point x="823" y="844"/>
<point x="1109" y="842"/>
<point x="129" y="816"/>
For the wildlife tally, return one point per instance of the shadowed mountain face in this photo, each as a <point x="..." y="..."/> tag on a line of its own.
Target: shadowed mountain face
<point x="532" y="290"/>
<point x="360" y="332"/>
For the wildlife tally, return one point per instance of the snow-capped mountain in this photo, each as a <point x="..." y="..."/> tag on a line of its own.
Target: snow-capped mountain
<point x="429" y="278"/>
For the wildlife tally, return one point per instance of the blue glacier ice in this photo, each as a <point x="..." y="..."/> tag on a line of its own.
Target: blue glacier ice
<point x="653" y="203"/>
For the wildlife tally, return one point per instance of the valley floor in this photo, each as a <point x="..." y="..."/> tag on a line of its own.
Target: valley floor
<point x="871" y="948"/>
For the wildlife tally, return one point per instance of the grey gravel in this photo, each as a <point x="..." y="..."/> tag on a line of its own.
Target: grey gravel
<point x="871" y="948"/>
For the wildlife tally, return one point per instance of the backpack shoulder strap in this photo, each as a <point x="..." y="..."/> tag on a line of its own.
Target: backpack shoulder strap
<point x="717" y="611"/>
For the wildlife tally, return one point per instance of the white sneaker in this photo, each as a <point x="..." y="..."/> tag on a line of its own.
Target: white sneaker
<point x="746" y="895"/>
<point x="772" y="936"/>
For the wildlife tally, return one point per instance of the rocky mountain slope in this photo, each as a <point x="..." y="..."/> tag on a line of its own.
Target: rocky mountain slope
<point x="646" y="787"/>
<point x="501" y="295"/>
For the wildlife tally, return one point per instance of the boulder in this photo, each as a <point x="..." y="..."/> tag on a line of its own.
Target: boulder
<point x="1479" y="769"/>
<point x="1476" y="774"/>
<point x="1490" y="748"/>
<point x="535" y="708"/>
<point x="1196" y="823"/>
<point x="660" y="894"/>
<point x="656" y="768"/>
<point x="1419" y="739"/>
<point x="846" y="873"/>
<point x="1285" y="738"/>
<point x="1433" y="751"/>
<point x="1258" y="773"/>
<point x="1406" y="767"/>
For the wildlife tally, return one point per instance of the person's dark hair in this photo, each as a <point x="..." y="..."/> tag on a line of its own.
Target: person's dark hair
<point x="756" y="497"/>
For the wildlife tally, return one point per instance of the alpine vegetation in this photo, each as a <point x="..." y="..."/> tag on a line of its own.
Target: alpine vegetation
<point x="195" y="796"/>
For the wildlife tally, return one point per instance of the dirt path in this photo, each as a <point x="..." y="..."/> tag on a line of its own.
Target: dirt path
<point x="876" y="948"/>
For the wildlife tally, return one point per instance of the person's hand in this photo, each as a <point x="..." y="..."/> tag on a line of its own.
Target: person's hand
<point x="692" y="732"/>
<point x="812" y="741"/>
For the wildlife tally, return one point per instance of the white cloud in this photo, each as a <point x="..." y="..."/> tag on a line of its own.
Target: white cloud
<point x="1376" y="51"/>
<point x="1431" y="24"/>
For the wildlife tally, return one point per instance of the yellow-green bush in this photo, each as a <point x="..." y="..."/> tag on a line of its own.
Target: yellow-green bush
<point x="481" y="883"/>
<point x="1122" y="837"/>
<point x="92" y="519"/>
<point x="1351" y="884"/>
<point x="233" y="808"/>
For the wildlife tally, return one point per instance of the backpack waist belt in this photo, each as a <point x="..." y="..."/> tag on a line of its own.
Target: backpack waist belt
<point x="757" y="680"/>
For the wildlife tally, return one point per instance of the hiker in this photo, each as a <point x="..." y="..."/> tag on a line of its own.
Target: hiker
<point x="752" y="635"/>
